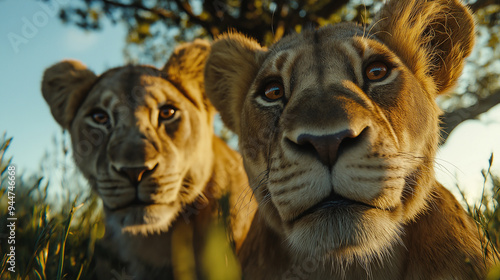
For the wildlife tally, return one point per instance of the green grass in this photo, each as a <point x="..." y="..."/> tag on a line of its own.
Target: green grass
<point x="51" y="242"/>
<point x="61" y="242"/>
<point x="486" y="214"/>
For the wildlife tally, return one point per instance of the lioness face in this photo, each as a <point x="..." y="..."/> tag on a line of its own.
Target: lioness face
<point x="141" y="136"/>
<point x="339" y="128"/>
<point x="137" y="138"/>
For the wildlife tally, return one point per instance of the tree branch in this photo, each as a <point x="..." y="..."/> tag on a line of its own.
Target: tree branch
<point x="452" y="119"/>
<point x="222" y="20"/>
<point x="330" y="8"/>
<point x="157" y="11"/>
<point x="279" y="9"/>
<point x="186" y="7"/>
<point x="243" y="9"/>
<point x="277" y="18"/>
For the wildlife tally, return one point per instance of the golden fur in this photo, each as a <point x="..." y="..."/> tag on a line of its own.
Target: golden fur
<point x="341" y="164"/>
<point x="156" y="174"/>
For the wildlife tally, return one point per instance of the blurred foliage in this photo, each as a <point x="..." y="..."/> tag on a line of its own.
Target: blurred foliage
<point x="156" y="25"/>
<point x="165" y="22"/>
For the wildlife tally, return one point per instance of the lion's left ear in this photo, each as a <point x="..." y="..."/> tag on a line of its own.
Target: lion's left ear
<point x="185" y="68"/>
<point x="431" y="37"/>
<point x="64" y="86"/>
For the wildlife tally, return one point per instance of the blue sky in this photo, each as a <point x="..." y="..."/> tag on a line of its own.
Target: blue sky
<point x="43" y="40"/>
<point x="23" y="112"/>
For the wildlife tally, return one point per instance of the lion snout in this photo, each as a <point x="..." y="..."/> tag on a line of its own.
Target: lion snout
<point x="135" y="174"/>
<point x="326" y="147"/>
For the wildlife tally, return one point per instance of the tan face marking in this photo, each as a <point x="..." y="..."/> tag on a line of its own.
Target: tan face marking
<point x="137" y="140"/>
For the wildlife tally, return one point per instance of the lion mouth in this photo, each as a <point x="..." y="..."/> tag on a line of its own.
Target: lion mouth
<point x="331" y="202"/>
<point x="137" y="203"/>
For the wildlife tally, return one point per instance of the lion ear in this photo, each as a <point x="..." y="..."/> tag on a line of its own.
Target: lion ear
<point x="431" y="37"/>
<point x="229" y="72"/>
<point x="185" y="68"/>
<point x="64" y="86"/>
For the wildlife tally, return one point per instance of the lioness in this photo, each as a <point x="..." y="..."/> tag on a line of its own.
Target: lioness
<point x="144" y="139"/>
<point x="338" y="129"/>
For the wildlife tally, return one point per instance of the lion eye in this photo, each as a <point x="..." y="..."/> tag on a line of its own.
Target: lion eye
<point x="273" y="91"/>
<point x="376" y="71"/>
<point x="167" y="112"/>
<point x="100" y="117"/>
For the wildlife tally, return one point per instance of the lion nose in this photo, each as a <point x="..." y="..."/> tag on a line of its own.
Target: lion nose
<point x="325" y="147"/>
<point x="136" y="174"/>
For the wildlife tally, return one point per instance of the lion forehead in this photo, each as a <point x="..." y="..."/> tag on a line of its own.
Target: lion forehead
<point x="131" y="87"/>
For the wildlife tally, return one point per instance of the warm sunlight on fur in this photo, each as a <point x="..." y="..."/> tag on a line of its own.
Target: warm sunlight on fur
<point x="338" y="129"/>
<point x="144" y="139"/>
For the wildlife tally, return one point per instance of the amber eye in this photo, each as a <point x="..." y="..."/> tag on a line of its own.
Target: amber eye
<point x="100" y="117"/>
<point x="273" y="91"/>
<point x="167" y="112"/>
<point x="376" y="71"/>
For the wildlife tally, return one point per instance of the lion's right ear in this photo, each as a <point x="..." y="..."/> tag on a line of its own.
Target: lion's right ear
<point x="64" y="86"/>
<point x="433" y="38"/>
<point x="230" y="69"/>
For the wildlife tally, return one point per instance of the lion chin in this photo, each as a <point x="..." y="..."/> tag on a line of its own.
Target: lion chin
<point x="344" y="234"/>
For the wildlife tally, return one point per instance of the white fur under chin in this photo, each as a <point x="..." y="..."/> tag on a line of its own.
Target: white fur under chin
<point x="344" y="242"/>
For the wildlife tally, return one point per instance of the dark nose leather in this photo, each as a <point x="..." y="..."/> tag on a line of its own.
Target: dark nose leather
<point x="325" y="147"/>
<point x="135" y="174"/>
